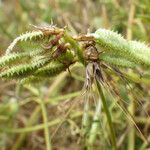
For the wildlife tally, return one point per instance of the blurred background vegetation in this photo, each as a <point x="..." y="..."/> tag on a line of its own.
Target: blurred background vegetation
<point x="21" y="123"/>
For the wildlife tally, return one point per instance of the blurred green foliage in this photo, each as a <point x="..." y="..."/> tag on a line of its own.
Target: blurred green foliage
<point x="18" y="105"/>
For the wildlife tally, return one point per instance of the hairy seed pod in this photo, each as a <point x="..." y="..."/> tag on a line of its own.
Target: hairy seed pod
<point x="130" y="50"/>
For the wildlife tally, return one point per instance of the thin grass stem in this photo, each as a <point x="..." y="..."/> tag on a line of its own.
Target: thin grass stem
<point x="86" y="119"/>
<point x="40" y="126"/>
<point x="46" y="128"/>
<point x="95" y="125"/>
<point x="112" y="132"/>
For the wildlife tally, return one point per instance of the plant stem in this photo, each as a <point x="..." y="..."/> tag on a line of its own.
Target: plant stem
<point x="46" y="129"/>
<point x="131" y="135"/>
<point x="95" y="125"/>
<point x="112" y="133"/>
<point x="130" y="19"/>
<point x="75" y="45"/>
<point x="86" y="119"/>
<point x="40" y="126"/>
<point x="22" y="136"/>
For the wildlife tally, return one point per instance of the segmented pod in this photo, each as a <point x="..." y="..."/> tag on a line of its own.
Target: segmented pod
<point x="51" y="69"/>
<point x="24" y="37"/>
<point x="8" y="59"/>
<point x="130" y="50"/>
<point x="23" y="70"/>
<point x="117" y="61"/>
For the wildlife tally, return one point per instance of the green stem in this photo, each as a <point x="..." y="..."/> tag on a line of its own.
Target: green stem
<point x="39" y="126"/>
<point x="30" y="122"/>
<point x="86" y="119"/>
<point x="46" y="129"/>
<point x="95" y="125"/>
<point x="131" y="135"/>
<point x="145" y="144"/>
<point x="112" y="132"/>
<point x="75" y="46"/>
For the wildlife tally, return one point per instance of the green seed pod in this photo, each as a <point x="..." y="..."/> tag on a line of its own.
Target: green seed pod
<point x="114" y="43"/>
<point x="8" y="59"/>
<point x="51" y="69"/>
<point x="23" y="70"/>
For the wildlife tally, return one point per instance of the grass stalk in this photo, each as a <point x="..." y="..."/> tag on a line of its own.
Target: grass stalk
<point x="86" y="119"/>
<point x="130" y="19"/>
<point x="40" y="126"/>
<point x="95" y="125"/>
<point x="111" y="128"/>
<point x="46" y="128"/>
<point x="30" y="122"/>
<point x="131" y="135"/>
